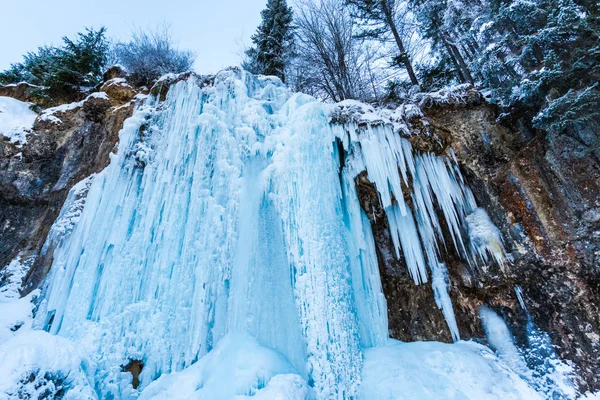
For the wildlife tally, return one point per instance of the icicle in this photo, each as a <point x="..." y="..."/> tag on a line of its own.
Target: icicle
<point x="485" y="238"/>
<point x="404" y="235"/>
<point x="439" y="282"/>
<point x="519" y="294"/>
<point x="437" y="184"/>
<point x="371" y="304"/>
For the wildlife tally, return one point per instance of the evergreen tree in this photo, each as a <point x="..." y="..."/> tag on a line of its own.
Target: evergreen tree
<point x="273" y="41"/>
<point x="539" y="58"/>
<point x="378" y="19"/>
<point x="63" y="70"/>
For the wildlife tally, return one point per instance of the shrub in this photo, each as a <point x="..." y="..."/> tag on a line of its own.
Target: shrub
<point x="151" y="54"/>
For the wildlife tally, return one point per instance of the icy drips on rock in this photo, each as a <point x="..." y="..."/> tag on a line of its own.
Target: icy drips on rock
<point x="412" y="188"/>
<point x="15" y="311"/>
<point x="501" y="340"/>
<point x="537" y="363"/>
<point x="485" y="237"/>
<point x="69" y="214"/>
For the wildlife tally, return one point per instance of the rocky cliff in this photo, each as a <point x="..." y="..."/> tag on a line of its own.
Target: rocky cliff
<point x="542" y="192"/>
<point x="66" y="144"/>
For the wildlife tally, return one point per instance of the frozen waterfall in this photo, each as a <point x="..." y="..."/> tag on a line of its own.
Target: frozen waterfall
<point x="226" y="211"/>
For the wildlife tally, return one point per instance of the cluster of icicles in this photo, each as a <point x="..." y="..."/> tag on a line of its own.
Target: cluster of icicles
<point x="436" y="183"/>
<point x="226" y="213"/>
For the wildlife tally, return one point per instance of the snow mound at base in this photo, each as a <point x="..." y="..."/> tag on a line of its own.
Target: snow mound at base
<point x="16" y="117"/>
<point x="282" y="387"/>
<point x="36" y="364"/>
<point x="433" y="370"/>
<point x="238" y="365"/>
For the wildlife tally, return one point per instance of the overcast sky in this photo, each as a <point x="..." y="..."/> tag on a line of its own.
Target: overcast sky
<point x="213" y="29"/>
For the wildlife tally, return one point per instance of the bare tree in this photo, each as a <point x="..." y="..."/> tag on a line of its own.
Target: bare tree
<point x="331" y="62"/>
<point x="150" y="54"/>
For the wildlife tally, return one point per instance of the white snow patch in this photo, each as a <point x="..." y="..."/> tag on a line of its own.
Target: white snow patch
<point x="433" y="370"/>
<point x="238" y="365"/>
<point x="36" y="364"/>
<point x="283" y="387"/>
<point x="48" y="114"/>
<point x="16" y="119"/>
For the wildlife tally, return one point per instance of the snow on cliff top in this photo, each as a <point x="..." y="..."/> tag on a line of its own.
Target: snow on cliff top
<point x="16" y="119"/>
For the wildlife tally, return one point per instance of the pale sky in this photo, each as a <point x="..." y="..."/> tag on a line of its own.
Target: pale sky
<point x="214" y="29"/>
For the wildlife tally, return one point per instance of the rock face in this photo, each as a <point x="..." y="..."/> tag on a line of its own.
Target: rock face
<point x="543" y="193"/>
<point x="68" y="143"/>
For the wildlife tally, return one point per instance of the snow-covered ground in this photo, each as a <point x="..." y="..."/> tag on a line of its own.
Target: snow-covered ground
<point x="16" y="119"/>
<point x="433" y="370"/>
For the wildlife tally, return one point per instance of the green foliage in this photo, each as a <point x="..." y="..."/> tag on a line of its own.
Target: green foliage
<point x="273" y="41"/>
<point x="439" y="74"/>
<point x="59" y="71"/>
<point x="539" y="58"/>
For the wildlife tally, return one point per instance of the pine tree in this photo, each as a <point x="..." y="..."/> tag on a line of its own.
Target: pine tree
<point x="273" y="40"/>
<point x="540" y="59"/>
<point x="61" y="71"/>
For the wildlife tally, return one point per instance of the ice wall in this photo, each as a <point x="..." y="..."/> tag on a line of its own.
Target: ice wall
<point x="227" y="210"/>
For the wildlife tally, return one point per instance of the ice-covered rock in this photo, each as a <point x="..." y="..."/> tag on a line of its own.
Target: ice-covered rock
<point x="36" y="364"/>
<point x="16" y="119"/>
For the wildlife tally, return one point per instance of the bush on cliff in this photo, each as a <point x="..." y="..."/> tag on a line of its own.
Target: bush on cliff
<point x="151" y="54"/>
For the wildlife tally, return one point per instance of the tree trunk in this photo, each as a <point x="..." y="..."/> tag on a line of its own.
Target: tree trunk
<point x="459" y="58"/>
<point x="389" y="19"/>
<point x="461" y="77"/>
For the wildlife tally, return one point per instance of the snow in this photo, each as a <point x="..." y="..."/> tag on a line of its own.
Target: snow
<point x="238" y="365"/>
<point x="452" y="94"/>
<point x="36" y="364"/>
<point x="432" y="370"/>
<point x="116" y="82"/>
<point x="282" y="387"/>
<point x="49" y="113"/>
<point x="16" y="120"/>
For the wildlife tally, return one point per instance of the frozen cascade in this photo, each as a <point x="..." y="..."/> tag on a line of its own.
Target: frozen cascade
<point x="435" y="182"/>
<point x="225" y="211"/>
